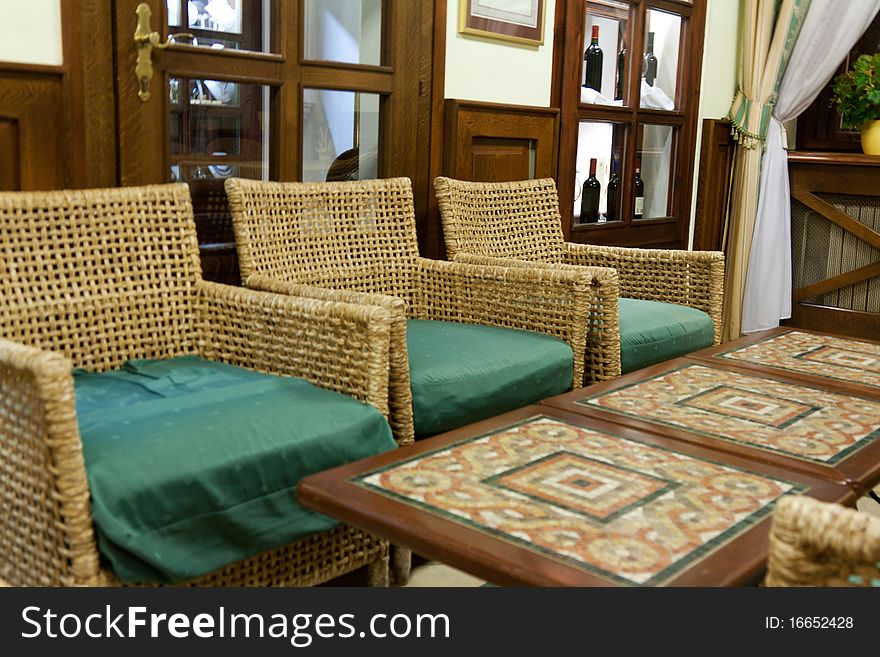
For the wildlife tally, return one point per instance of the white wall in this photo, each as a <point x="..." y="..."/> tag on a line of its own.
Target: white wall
<point x="30" y="31"/>
<point x="718" y="82"/>
<point x="498" y="71"/>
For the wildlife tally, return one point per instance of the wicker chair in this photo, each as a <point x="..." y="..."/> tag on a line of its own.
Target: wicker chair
<point x="512" y="222"/>
<point x="818" y="544"/>
<point x="356" y="242"/>
<point x="92" y="278"/>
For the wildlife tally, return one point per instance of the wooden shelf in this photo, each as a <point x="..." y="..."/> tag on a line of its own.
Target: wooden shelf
<point x="841" y="159"/>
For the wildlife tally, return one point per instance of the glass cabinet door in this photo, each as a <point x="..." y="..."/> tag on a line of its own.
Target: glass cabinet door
<point x="347" y="31"/>
<point x="628" y="129"/>
<point x="234" y="24"/>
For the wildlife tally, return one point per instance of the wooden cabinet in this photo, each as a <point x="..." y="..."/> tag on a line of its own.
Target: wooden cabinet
<point x="639" y="124"/>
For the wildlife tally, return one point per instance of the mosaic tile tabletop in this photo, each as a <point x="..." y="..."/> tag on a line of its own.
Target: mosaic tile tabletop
<point x="819" y="355"/>
<point x="626" y="511"/>
<point x="793" y="420"/>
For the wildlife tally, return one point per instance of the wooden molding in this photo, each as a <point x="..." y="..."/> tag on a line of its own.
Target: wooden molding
<point x="433" y="246"/>
<point x="713" y="185"/>
<point x="34" y="135"/>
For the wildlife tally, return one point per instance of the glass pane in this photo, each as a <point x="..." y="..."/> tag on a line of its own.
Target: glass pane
<point x="660" y="60"/>
<point x="603" y="77"/>
<point x="216" y="138"/>
<point x="231" y="24"/>
<point x="340" y="135"/>
<point x="654" y="164"/>
<point x="218" y="130"/>
<point x="600" y="153"/>
<point x="343" y="31"/>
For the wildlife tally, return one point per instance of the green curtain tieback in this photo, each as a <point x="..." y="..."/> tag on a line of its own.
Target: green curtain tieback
<point x="749" y="120"/>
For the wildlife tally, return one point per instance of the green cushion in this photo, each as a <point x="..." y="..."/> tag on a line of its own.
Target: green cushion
<point x="652" y="332"/>
<point x="461" y="373"/>
<point x="193" y="464"/>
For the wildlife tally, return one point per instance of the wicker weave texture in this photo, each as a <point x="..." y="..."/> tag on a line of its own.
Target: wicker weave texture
<point x="99" y="276"/>
<point x="818" y="544"/>
<point x="314" y="233"/>
<point x="688" y="278"/>
<point x="356" y="242"/>
<point x="521" y="220"/>
<point x="602" y="328"/>
<point x="507" y="219"/>
<point x="92" y="278"/>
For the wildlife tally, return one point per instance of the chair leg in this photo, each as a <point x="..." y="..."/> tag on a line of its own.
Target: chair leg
<point x="401" y="565"/>
<point x="377" y="573"/>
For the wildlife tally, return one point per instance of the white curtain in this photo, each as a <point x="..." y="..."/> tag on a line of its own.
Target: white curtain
<point x="830" y="30"/>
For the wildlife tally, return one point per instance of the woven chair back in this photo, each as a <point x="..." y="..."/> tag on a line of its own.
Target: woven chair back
<point x="99" y="275"/>
<point x="505" y="220"/>
<point x="358" y="235"/>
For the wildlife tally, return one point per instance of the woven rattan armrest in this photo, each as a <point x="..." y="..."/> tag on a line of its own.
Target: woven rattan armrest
<point x="814" y="543"/>
<point x="399" y="392"/>
<point x="555" y="302"/>
<point x="46" y="533"/>
<point x="602" y="352"/>
<point x="340" y="346"/>
<point x="394" y="305"/>
<point x="689" y="278"/>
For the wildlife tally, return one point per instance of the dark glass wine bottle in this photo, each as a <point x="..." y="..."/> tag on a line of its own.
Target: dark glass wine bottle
<point x="613" y="190"/>
<point x="650" y="67"/>
<point x="639" y="185"/>
<point x="590" y="196"/>
<point x="621" y="74"/>
<point x="593" y="62"/>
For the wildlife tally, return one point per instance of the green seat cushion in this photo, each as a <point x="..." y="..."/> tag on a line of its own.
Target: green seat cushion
<point x="653" y="331"/>
<point x="461" y="373"/>
<point x="193" y="464"/>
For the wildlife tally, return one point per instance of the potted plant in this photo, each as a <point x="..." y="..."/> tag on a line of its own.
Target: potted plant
<point x="857" y="96"/>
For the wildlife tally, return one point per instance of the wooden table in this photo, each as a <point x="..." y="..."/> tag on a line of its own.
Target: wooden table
<point x="541" y="496"/>
<point x="769" y="412"/>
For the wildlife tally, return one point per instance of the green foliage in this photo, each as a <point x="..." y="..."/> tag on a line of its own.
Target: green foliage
<point x="857" y="92"/>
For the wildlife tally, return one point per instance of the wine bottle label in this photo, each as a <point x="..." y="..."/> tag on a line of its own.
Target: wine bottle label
<point x="640" y="205"/>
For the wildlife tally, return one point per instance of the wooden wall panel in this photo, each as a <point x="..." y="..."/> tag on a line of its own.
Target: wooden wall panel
<point x="713" y="185"/>
<point x="9" y="175"/>
<point x="492" y="143"/>
<point x="496" y="159"/>
<point x="34" y="145"/>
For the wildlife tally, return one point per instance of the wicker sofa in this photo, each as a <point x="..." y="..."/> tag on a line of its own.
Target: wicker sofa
<point x="92" y="279"/>
<point x="519" y="224"/>
<point x="819" y="544"/>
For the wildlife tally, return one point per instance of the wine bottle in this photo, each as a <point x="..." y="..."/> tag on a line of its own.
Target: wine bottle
<point x="621" y="63"/>
<point x="650" y="66"/>
<point x="639" y="206"/>
<point x="593" y="62"/>
<point x="590" y="196"/>
<point x="613" y="188"/>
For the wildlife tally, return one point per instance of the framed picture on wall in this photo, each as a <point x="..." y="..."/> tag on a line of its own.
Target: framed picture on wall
<point x="521" y="21"/>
